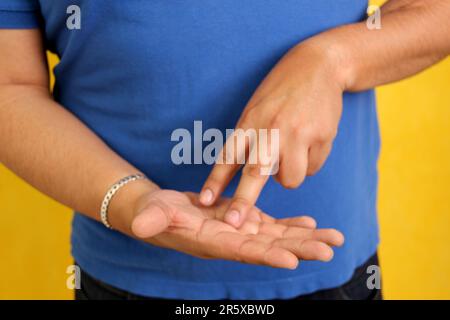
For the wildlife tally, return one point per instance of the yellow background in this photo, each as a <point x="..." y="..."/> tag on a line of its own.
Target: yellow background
<point x="414" y="204"/>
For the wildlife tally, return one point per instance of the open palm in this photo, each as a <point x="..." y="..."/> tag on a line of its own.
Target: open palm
<point x="177" y="220"/>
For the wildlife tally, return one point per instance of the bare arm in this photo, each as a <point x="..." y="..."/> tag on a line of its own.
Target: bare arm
<point x="49" y="147"/>
<point x="414" y="35"/>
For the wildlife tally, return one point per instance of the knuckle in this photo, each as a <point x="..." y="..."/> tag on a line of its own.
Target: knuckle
<point x="313" y="169"/>
<point x="314" y="165"/>
<point x="251" y="112"/>
<point x="325" y="135"/>
<point x="298" y="131"/>
<point x="248" y="116"/>
<point x="245" y="121"/>
<point x="290" y="182"/>
<point x="291" y="177"/>
<point x="302" y="132"/>
<point x="276" y="122"/>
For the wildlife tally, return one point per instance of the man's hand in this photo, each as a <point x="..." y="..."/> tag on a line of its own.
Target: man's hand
<point x="302" y="95"/>
<point x="178" y="221"/>
<point x="302" y="98"/>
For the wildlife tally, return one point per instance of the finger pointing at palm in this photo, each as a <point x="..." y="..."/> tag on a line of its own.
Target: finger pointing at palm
<point x="301" y="98"/>
<point x="178" y="221"/>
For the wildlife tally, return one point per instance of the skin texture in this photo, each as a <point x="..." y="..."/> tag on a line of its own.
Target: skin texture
<point x="176" y="220"/>
<point x="301" y="96"/>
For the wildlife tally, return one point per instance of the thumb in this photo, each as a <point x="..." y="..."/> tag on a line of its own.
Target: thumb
<point x="150" y="221"/>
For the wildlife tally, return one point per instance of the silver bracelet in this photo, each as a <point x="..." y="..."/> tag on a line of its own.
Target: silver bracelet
<point x="110" y="194"/>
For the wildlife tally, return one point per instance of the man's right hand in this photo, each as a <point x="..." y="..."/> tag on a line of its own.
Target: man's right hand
<point x="178" y="221"/>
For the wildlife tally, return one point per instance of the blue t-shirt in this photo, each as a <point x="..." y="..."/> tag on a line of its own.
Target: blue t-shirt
<point x="134" y="71"/>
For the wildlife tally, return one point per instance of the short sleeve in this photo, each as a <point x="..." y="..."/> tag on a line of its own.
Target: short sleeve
<point x="19" y="14"/>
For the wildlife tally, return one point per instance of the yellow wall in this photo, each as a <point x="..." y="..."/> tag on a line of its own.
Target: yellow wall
<point x="414" y="204"/>
<point x="414" y="192"/>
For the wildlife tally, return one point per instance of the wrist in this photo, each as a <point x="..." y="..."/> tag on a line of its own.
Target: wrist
<point x="332" y="57"/>
<point x="124" y="205"/>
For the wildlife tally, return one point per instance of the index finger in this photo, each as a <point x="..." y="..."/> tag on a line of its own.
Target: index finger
<point x="216" y="182"/>
<point x="250" y="186"/>
<point x="230" y="159"/>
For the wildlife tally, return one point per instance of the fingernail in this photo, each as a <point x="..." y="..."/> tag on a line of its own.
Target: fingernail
<point x="206" y="196"/>
<point x="232" y="217"/>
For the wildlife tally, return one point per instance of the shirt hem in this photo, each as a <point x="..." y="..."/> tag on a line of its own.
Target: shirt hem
<point x="255" y="290"/>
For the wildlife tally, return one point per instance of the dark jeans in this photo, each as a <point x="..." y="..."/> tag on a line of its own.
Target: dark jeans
<point x="355" y="289"/>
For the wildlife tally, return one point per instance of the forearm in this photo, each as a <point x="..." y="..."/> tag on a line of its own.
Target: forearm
<point x="414" y="35"/>
<point x="53" y="151"/>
